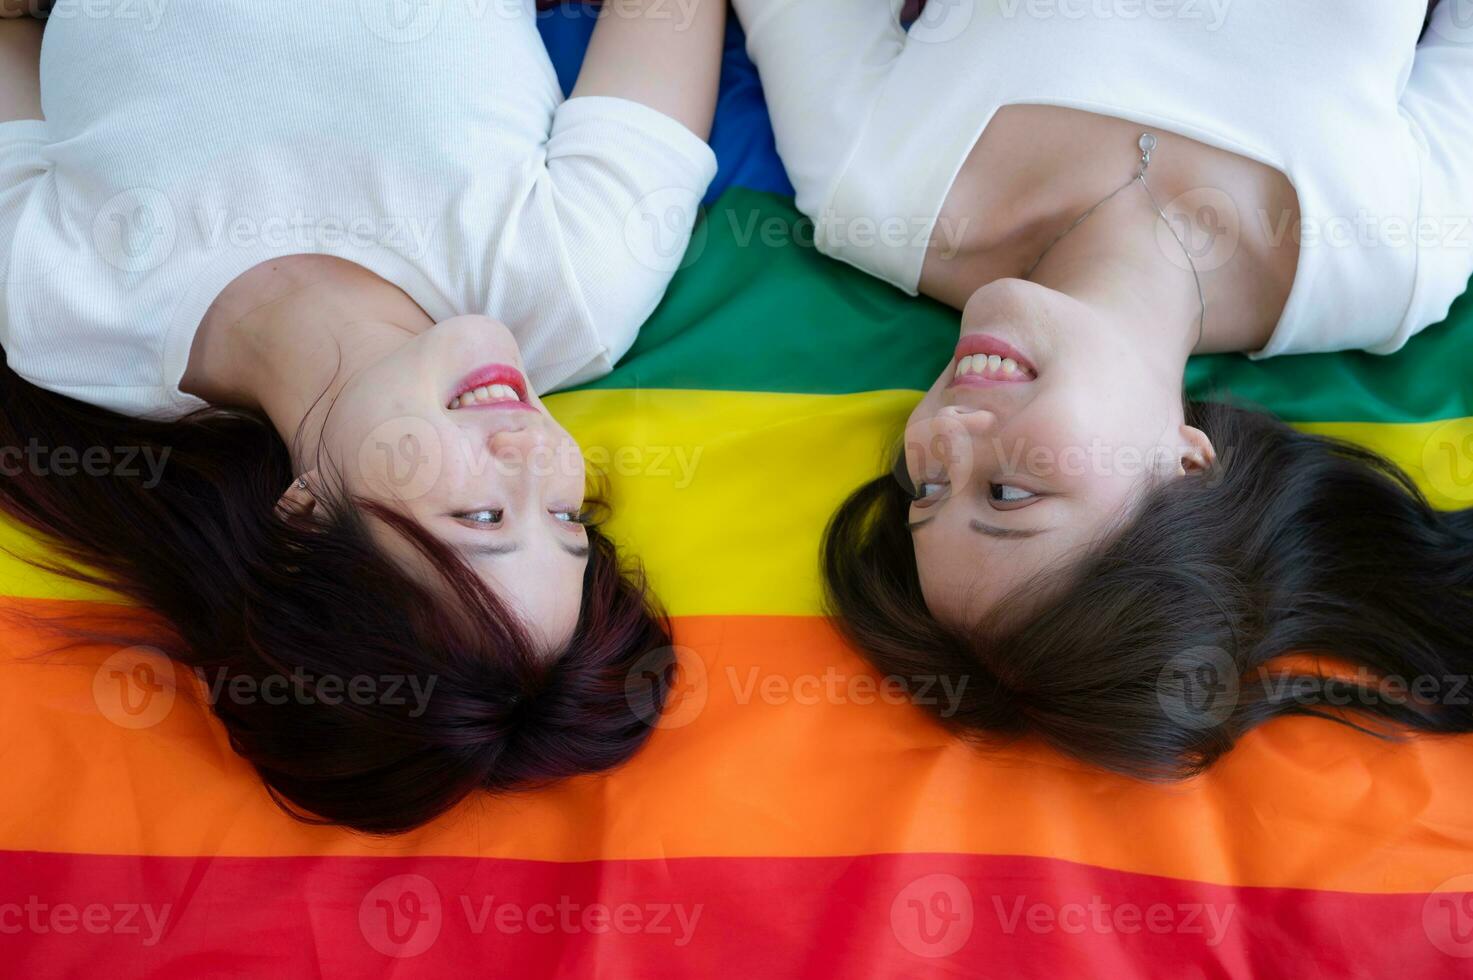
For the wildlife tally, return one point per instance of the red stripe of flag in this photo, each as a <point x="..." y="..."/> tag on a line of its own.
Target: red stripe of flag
<point x="854" y="917"/>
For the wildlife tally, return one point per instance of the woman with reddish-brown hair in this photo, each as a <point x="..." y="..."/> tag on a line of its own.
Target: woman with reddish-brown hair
<point x="314" y="263"/>
<point x="1104" y="190"/>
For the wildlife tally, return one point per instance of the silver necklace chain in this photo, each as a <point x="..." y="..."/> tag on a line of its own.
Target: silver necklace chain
<point x="1147" y="143"/>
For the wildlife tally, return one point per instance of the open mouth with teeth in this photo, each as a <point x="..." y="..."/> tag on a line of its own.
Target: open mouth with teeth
<point x="496" y="386"/>
<point x="991" y="367"/>
<point x="986" y="360"/>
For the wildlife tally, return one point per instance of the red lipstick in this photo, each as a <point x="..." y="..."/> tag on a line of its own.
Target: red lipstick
<point x="494" y="374"/>
<point x="981" y="343"/>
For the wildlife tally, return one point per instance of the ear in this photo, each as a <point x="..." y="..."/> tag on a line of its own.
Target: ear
<point x="298" y="500"/>
<point x="1195" y="452"/>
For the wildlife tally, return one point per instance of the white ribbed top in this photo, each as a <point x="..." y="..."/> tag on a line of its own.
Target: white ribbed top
<point x="1374" y="130"/>
<point x="429" y="143"/>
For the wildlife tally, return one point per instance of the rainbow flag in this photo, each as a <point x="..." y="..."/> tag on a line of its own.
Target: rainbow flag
<point x="791" y="817"/>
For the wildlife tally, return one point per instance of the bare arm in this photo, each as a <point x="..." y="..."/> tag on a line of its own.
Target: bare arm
<point x="665" y="54"/>
<point x="20" y="62"/>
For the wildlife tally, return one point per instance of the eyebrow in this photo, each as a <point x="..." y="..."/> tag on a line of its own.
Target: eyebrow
<point x="990" y="530"/>
<point x="484" y="550"/>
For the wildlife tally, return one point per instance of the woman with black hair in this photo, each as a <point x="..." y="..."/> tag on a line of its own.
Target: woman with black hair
<point x="320" y="260"/>
<point x="1104" y="191"/>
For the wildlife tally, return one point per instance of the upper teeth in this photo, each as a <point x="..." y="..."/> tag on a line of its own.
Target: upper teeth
<point x="992" y="364"/>
<point x="486" y="393"/>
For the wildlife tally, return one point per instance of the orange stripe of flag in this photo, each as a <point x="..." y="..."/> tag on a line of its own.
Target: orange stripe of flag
<point x="780" y="742"/>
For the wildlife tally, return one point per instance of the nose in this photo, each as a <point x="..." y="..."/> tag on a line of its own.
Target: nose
<point x="518" y="436"/>
<point x="977" y="421"/>
<point x="530" y="453"/>
<point x="951" y="439"/>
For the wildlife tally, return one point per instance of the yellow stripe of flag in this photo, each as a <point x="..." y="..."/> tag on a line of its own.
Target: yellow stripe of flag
<point x="724" y="495"/>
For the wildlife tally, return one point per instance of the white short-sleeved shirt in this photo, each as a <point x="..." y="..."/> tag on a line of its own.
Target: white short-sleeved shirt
<point x="1373" y="129"/>
<point x="429" y="143"/>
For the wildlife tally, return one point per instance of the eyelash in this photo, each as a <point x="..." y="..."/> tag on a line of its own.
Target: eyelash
<point x="469" y="517"/>
<point x="994" y="493"/>
<point x="919" y="494"/>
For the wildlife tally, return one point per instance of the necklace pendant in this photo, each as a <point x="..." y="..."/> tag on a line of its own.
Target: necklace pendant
<point x="1147" y="143"/>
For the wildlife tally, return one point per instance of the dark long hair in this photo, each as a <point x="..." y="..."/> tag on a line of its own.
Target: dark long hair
<point x="456" y="699"/>
<point x="1153" y="654"/>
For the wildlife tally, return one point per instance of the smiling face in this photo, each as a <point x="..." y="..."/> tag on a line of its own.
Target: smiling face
<point x="445" y="430"/>
<point x="1033" y="444"/>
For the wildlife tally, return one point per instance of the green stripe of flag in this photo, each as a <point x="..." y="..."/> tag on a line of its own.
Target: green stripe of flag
<point x="756" y="308"/>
